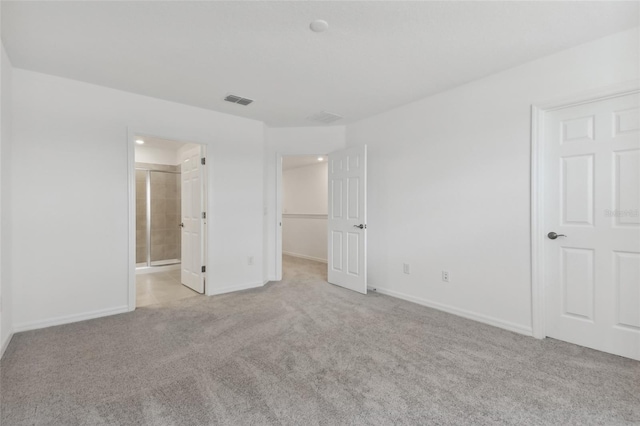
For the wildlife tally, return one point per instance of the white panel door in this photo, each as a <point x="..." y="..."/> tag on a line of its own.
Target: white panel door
<point x="347" y="224"/>
<point x="192" y="221"/>
<point x="592" y="200"/>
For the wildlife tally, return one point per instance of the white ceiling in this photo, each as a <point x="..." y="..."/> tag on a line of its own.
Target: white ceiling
<point x="164" y="144"/>
<point x="296" y="161"/>
<point x="374" y="57"/>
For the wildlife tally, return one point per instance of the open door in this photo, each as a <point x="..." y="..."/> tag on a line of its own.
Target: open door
<point x="347" y="224"/>
<point x="192" y="219"/>
<point x="592" y="229"/>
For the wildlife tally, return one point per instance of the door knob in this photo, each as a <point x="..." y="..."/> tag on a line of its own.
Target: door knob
<point x="553" y="235"/>
<point x="181" y="225"/>
<point x="361" y="226"/>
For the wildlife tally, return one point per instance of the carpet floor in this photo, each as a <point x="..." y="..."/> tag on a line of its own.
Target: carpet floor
<point x="304" y="352"/>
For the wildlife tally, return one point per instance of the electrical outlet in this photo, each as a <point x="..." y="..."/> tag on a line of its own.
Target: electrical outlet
<point x="250" y="260"/>
<point x="445" y="276"/>
<point x="406" y="268"/>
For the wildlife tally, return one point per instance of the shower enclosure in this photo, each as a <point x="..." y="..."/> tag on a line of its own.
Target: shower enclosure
<point x="158" y="215"/>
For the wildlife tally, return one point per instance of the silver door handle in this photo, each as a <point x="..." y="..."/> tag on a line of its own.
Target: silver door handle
<point x="553" y="235"/>
<point x="361" y="226"/>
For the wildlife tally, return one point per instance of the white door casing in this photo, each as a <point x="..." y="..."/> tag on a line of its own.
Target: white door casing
<point x="591" y="190"/>
<point x="192" y="235"/>
<point x="347" y="219"/>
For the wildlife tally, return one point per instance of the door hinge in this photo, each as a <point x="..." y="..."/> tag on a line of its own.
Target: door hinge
<point x="204" y="215"/>
<point x="204" y="269"/>
<point x="203" y="161"/>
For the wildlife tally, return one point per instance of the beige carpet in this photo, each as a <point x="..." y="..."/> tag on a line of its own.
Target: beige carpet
<point x="303" y="352"/>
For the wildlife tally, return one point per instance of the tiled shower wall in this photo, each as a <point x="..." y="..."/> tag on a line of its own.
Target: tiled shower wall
<point x="165" y="213"/>
<point x="141" y="215"/>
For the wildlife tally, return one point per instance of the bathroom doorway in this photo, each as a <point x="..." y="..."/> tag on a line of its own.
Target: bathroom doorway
<point x="170" y="220"/>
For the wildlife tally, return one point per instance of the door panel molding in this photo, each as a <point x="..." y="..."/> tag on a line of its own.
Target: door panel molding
<point x="347" y="230"/>
<point x="538" y="226"/>
<point x="193" y="222"/>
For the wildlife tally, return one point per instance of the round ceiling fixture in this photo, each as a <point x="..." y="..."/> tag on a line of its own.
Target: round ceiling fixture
<point x="139" y="141"/>
<point x="319" y="26"/>
<point x="320" y="158"/>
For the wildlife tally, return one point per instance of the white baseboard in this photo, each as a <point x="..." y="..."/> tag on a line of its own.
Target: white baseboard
<point x="304" y="256"/>
<point x="516" y="328"/>
<point x="230" y="289"/>
<point x="34" y="325"/>
<point x="5" y="344"/>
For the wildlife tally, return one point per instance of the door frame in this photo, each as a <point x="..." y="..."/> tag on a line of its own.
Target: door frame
<point x="538" y="226"/>
<point x="279" y="193"/>
<point x="131" y="187"/>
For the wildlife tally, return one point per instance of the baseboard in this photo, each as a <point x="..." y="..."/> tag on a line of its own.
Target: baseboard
<point x="516" y="328"/>
<point x="5" y="344"/>
<point x="231" y="289"/>
<point x="304" y="256"/>
<point x="34" y="325"/>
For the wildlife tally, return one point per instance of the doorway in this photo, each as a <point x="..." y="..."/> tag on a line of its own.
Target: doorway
<point x="169" y="219"/>
<point x="586" y="229"/>
<point x="345" y="177"/>
<point x="304" y="207"/>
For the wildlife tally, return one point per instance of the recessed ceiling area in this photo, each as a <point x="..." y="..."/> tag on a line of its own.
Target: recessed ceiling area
<point x="373" y="56"/>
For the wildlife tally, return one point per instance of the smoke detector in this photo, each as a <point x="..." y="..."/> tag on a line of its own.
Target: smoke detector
<point x="238" y="100"/>
<point x="325" y="117"/>
<point x="319" y="26"/>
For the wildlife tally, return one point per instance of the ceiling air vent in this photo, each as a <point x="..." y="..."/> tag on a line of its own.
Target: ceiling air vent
<point x="238" y="100"/>
<point x="325" y="117"/>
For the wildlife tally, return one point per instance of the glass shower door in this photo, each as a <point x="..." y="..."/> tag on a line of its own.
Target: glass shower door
<point x="141" y="218"/>
<point x="165" y="235"/>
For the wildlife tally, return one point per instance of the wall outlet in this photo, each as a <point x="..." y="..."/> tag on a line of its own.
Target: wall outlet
<point x="445" y="276"/>
<point x="250" y="260"/>
<point x="406" y="268"/>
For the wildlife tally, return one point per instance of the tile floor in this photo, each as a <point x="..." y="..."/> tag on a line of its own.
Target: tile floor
<point x="160" y="287"/>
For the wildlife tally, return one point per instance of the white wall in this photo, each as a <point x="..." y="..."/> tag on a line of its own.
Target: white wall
<point x="6" y="326"/>
<point x="290" y="141"/>
<point x="70" y="172"/>
<point x="449" y="182"/>
<point x="305" y="189"/>
<point x="156" y="155"/>
<point x="304" y="207"/>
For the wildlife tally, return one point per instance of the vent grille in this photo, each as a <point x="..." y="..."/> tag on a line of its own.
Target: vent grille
<point x="325" y="117"/>
<point x="238" y="100"/>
